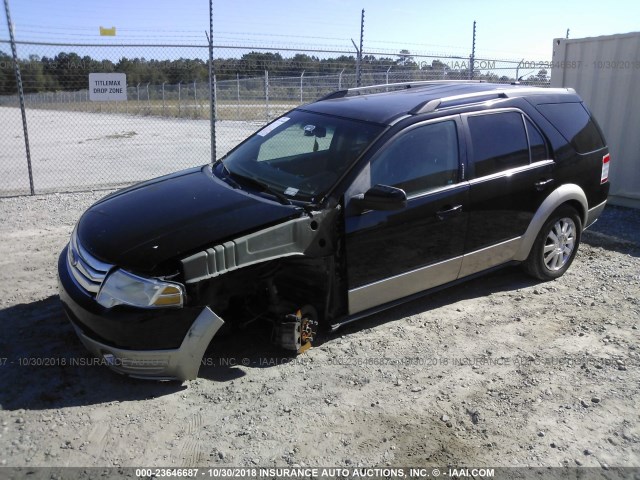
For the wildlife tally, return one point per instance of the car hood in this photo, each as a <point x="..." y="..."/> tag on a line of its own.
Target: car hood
<point x="143" y="226"/>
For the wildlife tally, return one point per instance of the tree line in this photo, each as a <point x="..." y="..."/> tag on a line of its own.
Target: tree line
<point x="70" y="71"/>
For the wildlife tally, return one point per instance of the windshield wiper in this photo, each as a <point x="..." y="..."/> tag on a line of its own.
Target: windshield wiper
<point x="263" y="186"/>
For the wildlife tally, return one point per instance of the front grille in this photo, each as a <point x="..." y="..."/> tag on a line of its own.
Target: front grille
<point x="87" y="270"/>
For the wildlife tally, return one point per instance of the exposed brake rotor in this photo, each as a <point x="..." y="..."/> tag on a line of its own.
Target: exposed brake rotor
<point x="297" y="331"/>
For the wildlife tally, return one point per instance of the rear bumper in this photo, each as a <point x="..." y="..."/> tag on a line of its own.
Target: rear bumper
<point x="181" y="363"/>
<point x="594" y="213"/>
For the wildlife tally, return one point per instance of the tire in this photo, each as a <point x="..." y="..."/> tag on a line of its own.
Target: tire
<point x="556" y="245"/>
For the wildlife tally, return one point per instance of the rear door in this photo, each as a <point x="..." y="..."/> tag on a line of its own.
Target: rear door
<point x="394" y="254"/>
<point x="511" y="173"/>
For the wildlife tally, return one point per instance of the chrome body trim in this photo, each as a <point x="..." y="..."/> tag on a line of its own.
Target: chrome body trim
<point x="405" y="284"/>
<point x="181" y="364"/>
<point x="511" y="171"/>
<point x="87" y="271"/>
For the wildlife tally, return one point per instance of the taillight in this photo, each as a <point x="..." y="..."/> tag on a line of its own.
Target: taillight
<point x="604" y="176"/>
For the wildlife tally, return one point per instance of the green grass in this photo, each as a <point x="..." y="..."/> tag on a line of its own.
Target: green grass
<point x="226" y="110"/>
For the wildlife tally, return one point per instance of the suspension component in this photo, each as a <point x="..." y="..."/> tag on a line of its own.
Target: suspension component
<point x="297" y="331"/>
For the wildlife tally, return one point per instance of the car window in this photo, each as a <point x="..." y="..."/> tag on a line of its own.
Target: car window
<point x="499" y="142"/>
<point x="301" y="155"/>
<point x="536" y="142"/>
<point x="421" y="159"/>
<point x="289" y="142"/>
<point x="575" y="125"/>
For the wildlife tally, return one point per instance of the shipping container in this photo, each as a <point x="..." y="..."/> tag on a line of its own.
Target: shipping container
<point x="605" y="71"/>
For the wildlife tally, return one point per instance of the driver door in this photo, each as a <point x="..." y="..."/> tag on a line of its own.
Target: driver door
<point x="395" y="254"/>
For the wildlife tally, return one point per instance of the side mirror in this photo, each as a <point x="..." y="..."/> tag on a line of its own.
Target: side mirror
<point x="381" y="197"/>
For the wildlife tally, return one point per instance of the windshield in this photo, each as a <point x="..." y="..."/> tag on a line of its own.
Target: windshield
<point x="302" y="154"/>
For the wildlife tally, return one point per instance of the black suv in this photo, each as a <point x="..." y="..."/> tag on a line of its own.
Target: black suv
<point x="338" y="209"/>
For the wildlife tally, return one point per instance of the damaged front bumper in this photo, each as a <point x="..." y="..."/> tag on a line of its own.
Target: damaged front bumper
<point x="181" y="363"/>
<point x="161" y="344"/>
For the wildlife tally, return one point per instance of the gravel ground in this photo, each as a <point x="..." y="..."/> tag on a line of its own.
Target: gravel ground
<point x="500" y="371"/>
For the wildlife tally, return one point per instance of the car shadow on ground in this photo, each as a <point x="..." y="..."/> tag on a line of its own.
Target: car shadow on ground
<point x="228" y="355"/>
<point x="43" y="365"/>
<point x="506" y="279"/>
<point x="617" y="229"/>
<point x="603" y="240"/>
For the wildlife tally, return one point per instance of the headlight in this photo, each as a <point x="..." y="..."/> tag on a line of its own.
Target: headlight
<point x="124" y="288"/>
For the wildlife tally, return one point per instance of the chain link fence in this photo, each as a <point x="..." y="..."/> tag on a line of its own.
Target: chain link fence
<point x="164" y="124"/>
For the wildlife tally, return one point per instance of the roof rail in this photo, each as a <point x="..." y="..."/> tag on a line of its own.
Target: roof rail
<point x="434" y="104"/>
<point x="517" y="92"/>
<point x="422" y="83"/>
<point x="485" y="96"/>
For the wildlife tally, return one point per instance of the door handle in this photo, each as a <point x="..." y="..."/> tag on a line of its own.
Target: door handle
<point x="542" y="184"/>
<point x="450" y="212"/>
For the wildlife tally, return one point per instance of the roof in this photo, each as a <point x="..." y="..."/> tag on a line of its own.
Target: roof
<point x="385" y="107"/>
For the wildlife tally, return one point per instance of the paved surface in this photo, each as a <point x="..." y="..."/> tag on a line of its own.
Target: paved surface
<point x="80" y="151"/>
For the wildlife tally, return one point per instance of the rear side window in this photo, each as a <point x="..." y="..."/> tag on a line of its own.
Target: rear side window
<point x="499" y="142"/>
<point x="575" y="125"/>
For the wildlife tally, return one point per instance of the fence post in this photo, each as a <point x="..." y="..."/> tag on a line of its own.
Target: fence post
<point x="212" y="89"/>
<point x="179" y="106"/>
<point x="215" y="97"/>
<point x="359" y="73"/>
<point x="163" y="98"/>
<point x="148" y="98"/>
<point x="472" y="58"/>
<point x="357" y="62"/>
<point x="16" y="68"/>
<point x="518" y="69"/>
<point x="340" y="79"/>
<point x="195" y="96"/>
<point x="238" y="93"/>
<point x="388" y="69"/>
<point x="301" y="77"/>
<point x="138" y="94"/>
<point x="266" y="93"/>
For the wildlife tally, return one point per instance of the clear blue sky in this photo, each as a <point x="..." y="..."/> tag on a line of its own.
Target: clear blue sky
<point x="508" y="30"/>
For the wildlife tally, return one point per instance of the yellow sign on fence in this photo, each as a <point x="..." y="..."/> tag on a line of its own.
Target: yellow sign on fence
<point x="108" y="32"/>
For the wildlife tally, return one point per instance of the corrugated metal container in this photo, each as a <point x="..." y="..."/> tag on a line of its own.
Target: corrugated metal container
<point x="605" y="71"/>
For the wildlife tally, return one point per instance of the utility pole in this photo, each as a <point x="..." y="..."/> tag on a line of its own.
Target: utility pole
<point x="16" y="67"/>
